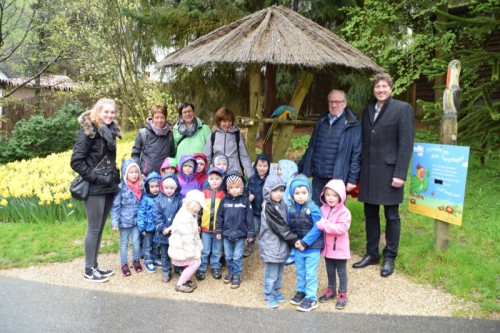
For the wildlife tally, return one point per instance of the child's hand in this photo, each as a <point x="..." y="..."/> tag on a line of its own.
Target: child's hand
<point x="298" y="245"/>
<point x="251" y="197"/>
<point x="144" y="233"/>
<point x="249" y="239"/>
<point x="166" y="231"/>
<point x="218" y="236"/>
<point x="114" y="228"/>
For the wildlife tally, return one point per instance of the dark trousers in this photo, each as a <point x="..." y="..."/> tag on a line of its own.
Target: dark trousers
<point x="97" y="208"/>
<point x="334" y="267"/>
<point x="392" y="230"/>
<point x="318" y="184"/>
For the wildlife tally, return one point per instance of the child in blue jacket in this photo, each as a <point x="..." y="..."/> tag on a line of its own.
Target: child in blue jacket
<point x="124" y="214"/>
<point x="145" y="221"/>
<point x="167" y="203"/>
<point x="235" y="224"/>
<point x="303" y="216"/>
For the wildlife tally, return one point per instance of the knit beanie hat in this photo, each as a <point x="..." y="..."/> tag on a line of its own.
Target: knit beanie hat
<point x="219" y="158"/>
<point x="234" y="180"/>
<point x="169" y="182"/>
<point x="189" y="162"/>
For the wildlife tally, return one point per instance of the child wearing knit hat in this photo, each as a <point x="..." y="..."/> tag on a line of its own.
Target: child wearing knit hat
<point x="234" y="225"/>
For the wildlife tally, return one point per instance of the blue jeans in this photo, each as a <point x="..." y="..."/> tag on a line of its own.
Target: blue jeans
<point x="133" y="234"/>
<point x="210" y="245"/>
<point x="165" y="259"/>
<point x="273" y="279"/>
<point x="147" y="248"/>
<point x="256" y="225"/>
<point x="306" y="268"/>
<point x="234" y="255"/>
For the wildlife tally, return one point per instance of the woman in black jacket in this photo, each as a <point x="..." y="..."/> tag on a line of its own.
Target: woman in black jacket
<point x="94" y="158"/>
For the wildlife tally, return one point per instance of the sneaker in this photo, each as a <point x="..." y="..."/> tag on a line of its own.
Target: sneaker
<point x="328" y="294"/>
<point x="192" y="284"/>
<point x="105" y="272"/>
<point x="157" y="263"/>
<point x="299" y="296"/>
<point x="166" y="277"/>
<point x="150" y="268"/>
<point x="184" y="288"/>
<point x="93" y="275"/>
<point x="200" y="275"/>
<point x="228" y="278"/>
<point x="307" y="305"/>
<point x="341" y="300"/>
<point x="279" y="298"/>
<point x="216" y="273"/>
<point x="272" y="303"/>
<point x="126" y="270"/>
<point x="235" y="283"/>
<point x="137" y="265"/>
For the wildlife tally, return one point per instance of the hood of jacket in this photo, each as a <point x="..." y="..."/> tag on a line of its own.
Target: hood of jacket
<point x="174" y="177"/>
<point x="272" y="182"/>
<point x="90" y="129"/>
<point x="289" y="169"/>
<point x="232" y="129"/>
<point x="204" y="158"/>
<point x="151" y="176"/>
<point x="126" y="165"/>
<point x="169" y="162"/>
<point x="183" y="159"/>
<point x="338" y="186"/>
<point x="299" y="181"/>
<point x="263" y="157"/>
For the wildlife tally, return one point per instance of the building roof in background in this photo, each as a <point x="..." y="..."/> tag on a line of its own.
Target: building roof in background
<point x="47" y="81"/>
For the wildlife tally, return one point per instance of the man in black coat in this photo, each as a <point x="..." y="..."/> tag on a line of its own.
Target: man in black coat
<point x="388" y="131"/>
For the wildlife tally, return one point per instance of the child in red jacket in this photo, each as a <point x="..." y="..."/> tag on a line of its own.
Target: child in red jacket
<point x="335" y="222"/>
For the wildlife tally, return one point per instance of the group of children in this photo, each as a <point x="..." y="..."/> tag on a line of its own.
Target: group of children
<point x="191" y="217"/>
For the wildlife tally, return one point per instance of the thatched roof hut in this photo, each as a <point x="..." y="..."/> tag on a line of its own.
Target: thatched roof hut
<point x="275" y="35"/>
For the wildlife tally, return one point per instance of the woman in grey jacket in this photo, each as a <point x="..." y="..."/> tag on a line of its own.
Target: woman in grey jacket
<point x="275" y="239"/>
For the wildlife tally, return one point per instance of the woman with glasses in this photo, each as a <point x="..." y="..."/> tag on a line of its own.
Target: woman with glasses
<point x="190" y="132"/>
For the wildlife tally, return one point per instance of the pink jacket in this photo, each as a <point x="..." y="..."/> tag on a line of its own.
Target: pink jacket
<point x="335" y="223"/>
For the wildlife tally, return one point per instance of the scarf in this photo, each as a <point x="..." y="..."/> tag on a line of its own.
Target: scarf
<point x="186" y="130"/>
<point x="159" y="131"/>
<point x="109" y="133"/>
<point x="136" y="188"/>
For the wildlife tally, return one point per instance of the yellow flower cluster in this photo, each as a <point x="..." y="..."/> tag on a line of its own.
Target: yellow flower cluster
<point x="47" y="179"/>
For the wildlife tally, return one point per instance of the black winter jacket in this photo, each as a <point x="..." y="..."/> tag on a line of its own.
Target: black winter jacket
<point x="93" y="159"/>
<point x="235" y="218"/>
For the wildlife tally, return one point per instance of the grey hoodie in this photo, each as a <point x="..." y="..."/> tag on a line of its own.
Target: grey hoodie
<point x="275" y="236"/>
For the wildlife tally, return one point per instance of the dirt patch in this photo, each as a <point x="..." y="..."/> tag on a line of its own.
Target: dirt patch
<point x="367" y="292"/>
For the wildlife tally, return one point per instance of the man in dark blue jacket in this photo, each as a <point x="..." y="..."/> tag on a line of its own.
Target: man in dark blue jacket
<point x="334" y="151"/>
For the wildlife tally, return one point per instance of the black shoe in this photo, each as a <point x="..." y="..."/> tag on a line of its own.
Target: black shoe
<point x="216" y="273"/>
<point x="387" y="267"/>
<point x="235" y="283"/>
<point x="228" y="278"/>
<point x="298" y="298"/>
<point x="366" y="261"/>
<point x="200" y="275"/>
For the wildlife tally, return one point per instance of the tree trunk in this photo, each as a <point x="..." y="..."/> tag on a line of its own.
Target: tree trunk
<point x="255" y="101"/>
<point x="269" y="105"/>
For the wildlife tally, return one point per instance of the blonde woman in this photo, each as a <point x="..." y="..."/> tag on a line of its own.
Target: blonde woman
<point x="94" y="159"/>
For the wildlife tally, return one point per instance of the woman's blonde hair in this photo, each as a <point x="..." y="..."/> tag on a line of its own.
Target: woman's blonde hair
<point x="96" y="109"/>
<point x="158" y="108"/>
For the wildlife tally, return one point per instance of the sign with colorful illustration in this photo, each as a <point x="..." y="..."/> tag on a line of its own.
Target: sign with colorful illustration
<point x="438" y="177"/>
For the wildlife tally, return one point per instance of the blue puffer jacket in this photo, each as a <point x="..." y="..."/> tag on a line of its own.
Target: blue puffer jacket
<point x="235" y="218"/>
<point x="164" y="210"/>
<point x="347" y="163"/>
<point x="303" y="219"/>
<point x="145" y="220"/>
<point x="255" y="185"/>
<point x="125" y="203"/>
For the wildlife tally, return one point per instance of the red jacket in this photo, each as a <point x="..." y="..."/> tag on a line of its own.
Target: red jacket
<point x="335" y="223"/>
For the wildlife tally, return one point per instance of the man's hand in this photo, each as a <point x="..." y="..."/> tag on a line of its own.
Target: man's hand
<point x="350" y="187"/>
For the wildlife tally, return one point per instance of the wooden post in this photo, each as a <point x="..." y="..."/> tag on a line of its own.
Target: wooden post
<point x="255" y="89"/>
<point x="269" y="105"/>
<point x="448" y="136"/>
<point x="286" y="132"/>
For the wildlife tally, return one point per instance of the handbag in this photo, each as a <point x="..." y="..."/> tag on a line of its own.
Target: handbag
<point x="79" y="188"/>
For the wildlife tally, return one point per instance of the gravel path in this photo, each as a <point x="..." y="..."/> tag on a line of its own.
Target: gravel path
<point x="368" y="292"/>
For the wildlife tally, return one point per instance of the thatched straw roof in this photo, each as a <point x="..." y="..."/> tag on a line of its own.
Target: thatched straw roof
<point x="47" y="81"/>
<point x="275" y="35"/>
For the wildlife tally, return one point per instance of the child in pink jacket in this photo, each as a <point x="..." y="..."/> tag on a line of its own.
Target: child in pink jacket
<point x="335" y="222"/>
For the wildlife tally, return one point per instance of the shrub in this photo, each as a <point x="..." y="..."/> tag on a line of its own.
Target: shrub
<point x="40" y="137"/>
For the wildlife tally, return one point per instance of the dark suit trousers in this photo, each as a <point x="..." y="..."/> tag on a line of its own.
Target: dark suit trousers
<point x="392" y="230"/>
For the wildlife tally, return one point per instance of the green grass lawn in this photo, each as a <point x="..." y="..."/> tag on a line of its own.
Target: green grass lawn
<point x="469" y="268"/>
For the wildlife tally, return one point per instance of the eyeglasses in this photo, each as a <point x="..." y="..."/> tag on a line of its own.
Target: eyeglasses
<point x="336" y="102"/>
<point x="186" y="112"/>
